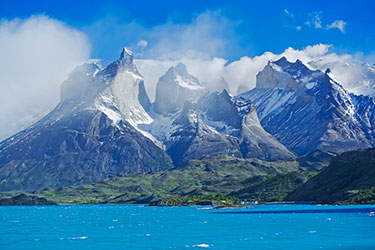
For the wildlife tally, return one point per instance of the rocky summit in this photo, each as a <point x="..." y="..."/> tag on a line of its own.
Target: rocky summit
<point x="200" y="123"/>
<point x="91" y="135"/>
<point x="307" y="110"/>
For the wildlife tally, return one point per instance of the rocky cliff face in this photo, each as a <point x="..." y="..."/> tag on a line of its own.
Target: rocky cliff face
<point x="90" y="136"/>
<point x="175" y="88"/>
<point x="307" y="110"/>
<point x="190" y="138"/>
<point x="237" y="117"/>
<point x="210" y="123"/>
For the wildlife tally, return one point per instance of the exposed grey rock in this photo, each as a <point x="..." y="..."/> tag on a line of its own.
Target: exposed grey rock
<point x="191" y="138"/>
<point x="237" y="117"/>
<point x="90" y="136"/>
<point x="143" y="97"/>
<point x="307" y="110"/>
<point x="175" y="88"/>
<point x="79" y="82"/>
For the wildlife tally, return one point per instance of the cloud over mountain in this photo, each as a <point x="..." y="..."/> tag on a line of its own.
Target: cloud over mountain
<point x="37" y="54"/>
<point x="349" y="70"/>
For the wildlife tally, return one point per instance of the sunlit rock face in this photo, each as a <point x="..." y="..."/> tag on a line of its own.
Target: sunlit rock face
<point x="175" y="88"/>
<point x="307" y="110"/>
<point x="91" y="135"/>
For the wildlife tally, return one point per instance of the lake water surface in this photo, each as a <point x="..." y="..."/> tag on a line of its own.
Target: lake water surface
<point x="140" y="227"/>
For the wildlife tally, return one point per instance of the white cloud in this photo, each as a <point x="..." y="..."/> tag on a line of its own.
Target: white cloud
<point x="338" y="24"/>
<point x="315" y="21"/>
<point x="205" y="36"/>
<point x="289" y="21"/>
<point x="209" y="72"/>
<point x="241" y="74"/>
<point x="151" y="70"/>
<point x="37" y="54"/>
<point x="288" y="13"/>
<point x="142" y="43"/>
<point x="208" y="35"/>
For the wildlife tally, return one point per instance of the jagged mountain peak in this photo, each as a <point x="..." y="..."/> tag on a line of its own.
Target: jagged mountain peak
<point x="308" y="110"/>
<point x="126" y="57"/>
<point x="175" y="88"/>
<point x="79" y="81"/>
<point x="225" y="94"/>
<point x="91" y="135"/>
<point x="284" y="74"/>
<point x="117" y="90"/>
<point x="181" y="69"/>
<point x="124" y="63"/>
<point x="295" y="69"/>
<point x="181" y="76"/>
<point x="126" y="53"/>
<point x="282" y="60"/>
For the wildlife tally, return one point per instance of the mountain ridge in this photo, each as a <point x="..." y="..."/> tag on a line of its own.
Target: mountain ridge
<point x="106" y="126"/>
<point x="349" y="178"/>
<point x="307" y="110"/>
<point x="94" y="134"/>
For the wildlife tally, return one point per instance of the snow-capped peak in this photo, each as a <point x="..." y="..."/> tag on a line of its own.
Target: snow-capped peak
<point x="175" y="88"/>
<point x="124" y="63"/>
<point x="283" y="74"/>
<point x="181" y="69"/>
<point x="180" y="76"/>
<point x="126" y="54"/>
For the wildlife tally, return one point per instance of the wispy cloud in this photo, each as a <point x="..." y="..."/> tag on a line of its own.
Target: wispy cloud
<point x="37" y="54"/>
<point x="338" y="24"/>
<point x="288" y="13"/>
<point x="290" y="20"/>
<point x="206" y="35"/>
<point x="315" y="21"/>
<point x="241" y="74"/>
<point x="142" y="43"/>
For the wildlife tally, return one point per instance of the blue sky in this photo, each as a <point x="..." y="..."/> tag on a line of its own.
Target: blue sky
<point x="247" y="27"/>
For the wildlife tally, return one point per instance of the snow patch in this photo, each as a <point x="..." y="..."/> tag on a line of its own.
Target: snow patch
<point x="187" y="84"/>
<point x="111" y="114"/>
<point x="146" y="134"/>
<point x="277" y="99"/>
<point x="128" y="51"/>
<point x="106" y="104"/>
<point x="310" y="85"/>
<point x="277" y="67"/>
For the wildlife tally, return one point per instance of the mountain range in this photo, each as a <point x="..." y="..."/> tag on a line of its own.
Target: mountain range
<point x="106" y="126"/>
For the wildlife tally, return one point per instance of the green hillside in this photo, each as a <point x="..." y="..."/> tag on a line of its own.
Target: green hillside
<point x="214" y="176"/>
<point x="350" y="178"/>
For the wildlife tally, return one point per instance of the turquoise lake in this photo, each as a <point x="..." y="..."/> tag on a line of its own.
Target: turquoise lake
<point x="140" y="227"/>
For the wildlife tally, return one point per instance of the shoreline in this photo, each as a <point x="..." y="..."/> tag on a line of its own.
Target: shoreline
<point x="200" y="206"/>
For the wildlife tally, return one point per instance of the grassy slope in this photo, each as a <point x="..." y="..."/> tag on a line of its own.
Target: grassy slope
<point x="210" y="176"/>
<point x="350" y="178"/>
<point x="273" y="188"/>
<point x="316" y="160"/>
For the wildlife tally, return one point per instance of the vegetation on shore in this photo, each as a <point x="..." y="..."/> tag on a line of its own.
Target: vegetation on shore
<point x="349" y="179"/>
<point x="23" y="199"/>
<point x="226" y="181"/>
<point x="210" y="179"/>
